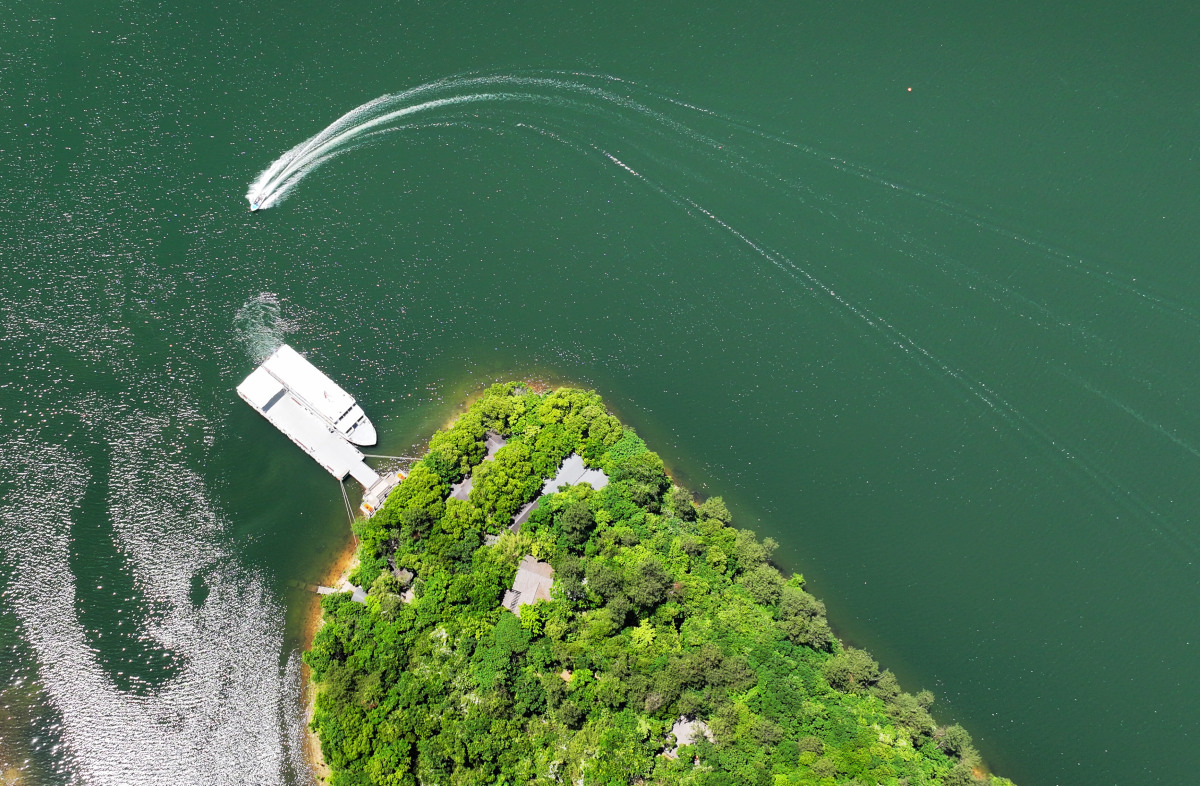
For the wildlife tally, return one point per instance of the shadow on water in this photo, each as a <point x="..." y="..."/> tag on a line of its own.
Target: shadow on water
<point x="112" y="609"/>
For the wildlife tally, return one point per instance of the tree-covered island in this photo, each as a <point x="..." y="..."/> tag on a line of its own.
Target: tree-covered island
<point x="660" y="624"/>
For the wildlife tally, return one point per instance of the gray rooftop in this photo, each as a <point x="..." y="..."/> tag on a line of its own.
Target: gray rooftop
<point x="532" y="583"/>
<point x="687" y="732"/>
<point x="573" y="471"/>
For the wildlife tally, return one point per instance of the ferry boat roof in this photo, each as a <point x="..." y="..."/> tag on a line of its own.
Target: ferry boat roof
<point x="324" y="396"/>
<point x="264" y="392"/>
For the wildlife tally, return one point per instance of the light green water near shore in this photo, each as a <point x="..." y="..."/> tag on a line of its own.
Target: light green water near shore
<point x="941" y="343"/>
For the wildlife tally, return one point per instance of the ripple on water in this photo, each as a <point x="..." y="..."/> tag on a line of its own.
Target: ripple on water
<point x="260" y="326"/>
<point x="223" y="715"/>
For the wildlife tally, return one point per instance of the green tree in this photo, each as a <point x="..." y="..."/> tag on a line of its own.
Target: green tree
<point x="534" y="616"/>
<point x="648" y="583"/>
<point x="602" y="432"/>
<point x="423" y="490"/>
<point x="503" y="485"/>
<point x="499" y="409"/>
<point x="459" y="517"/>
<point x="749" y="552"/>
<point x="629" y="444"/>
<point x="714" y="508"/>
<point x="764" y="584"/>
<point x="956" y="741"/>
<point x="454" y="451"/>
<point x="961" y="775"/>
<point x="682" y="504"/>
<point x="578" y="522"/>
<point x="604" y="579"/>
<point x="571" y="715"/>
<point x="909" y="714"/>
<point x="643" y="635"/>
<point x="568" y="576"/>
<point x="802" y="619"/>
<point x="851" y="670"/>
<point x="647" y="477"/>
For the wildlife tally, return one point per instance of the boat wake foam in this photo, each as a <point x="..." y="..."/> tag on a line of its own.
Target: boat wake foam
<point x="260" y="326"/>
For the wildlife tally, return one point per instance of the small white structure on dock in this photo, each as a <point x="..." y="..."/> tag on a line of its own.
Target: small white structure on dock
<point x="320" y="417"/>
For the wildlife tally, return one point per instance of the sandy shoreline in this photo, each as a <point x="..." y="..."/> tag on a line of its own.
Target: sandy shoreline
<point x="334" y="577"/>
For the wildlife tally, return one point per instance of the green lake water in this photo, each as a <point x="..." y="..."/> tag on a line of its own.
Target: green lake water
<point x="914" y="288"/>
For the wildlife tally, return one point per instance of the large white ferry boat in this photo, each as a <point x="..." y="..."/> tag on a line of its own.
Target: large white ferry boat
<point x="321" y="395"/>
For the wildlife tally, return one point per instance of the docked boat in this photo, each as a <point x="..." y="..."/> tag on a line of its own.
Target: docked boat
<point x="320" y="417"/>
<point x="321" y="395"/>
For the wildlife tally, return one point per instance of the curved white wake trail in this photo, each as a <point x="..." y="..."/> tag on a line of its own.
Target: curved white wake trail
<point x="1070" y="457"/>
<point x="285" y="173"/>
<point x="353" y="128"/>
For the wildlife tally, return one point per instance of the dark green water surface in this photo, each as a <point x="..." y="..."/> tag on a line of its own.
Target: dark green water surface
<point x="914" y="288"/>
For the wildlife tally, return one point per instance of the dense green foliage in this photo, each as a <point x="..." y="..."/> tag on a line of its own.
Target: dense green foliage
<point x="660" y="609"/>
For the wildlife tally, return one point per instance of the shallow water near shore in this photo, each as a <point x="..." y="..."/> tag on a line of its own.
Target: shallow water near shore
<point x="940" y="342"/>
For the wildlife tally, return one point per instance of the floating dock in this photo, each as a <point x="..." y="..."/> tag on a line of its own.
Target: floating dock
<point x="320" y="417"/>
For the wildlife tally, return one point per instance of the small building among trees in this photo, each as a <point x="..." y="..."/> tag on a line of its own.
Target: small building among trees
<point x="687" y="731"/>
<point x="533" y="582"/>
